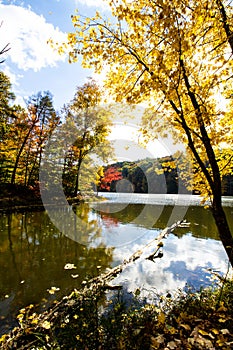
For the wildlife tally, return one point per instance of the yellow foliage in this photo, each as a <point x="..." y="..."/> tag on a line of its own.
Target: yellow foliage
<point x="177" y="57"/>
<point x="161" y="318"/>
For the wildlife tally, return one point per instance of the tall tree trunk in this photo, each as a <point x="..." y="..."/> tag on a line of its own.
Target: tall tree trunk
<point x="77" y="176"/>
<point x="39" y="156"/>
<point x="225" y="23"/>
<point x="215" y="180"/>
<point x="20" y="152"/>
<point x="223" y="227"/>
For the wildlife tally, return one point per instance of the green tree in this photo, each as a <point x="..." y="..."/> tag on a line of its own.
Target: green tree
<point x="177" y="56"/>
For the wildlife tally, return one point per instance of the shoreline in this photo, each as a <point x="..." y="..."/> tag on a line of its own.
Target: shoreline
<point x="17" y="203"/>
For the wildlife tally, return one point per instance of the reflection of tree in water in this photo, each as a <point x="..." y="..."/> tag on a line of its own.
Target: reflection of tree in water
<point x="33" y="256"/>
<point x="157" y="217"/>
<point x="119" y="212"/>
<point x="78" y="223"/>
<point x="109" y="221"/>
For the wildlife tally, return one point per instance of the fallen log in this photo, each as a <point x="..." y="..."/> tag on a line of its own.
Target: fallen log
<point x="40" y="328"/>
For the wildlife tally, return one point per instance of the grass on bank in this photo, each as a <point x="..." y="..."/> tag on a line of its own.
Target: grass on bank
<point x="200" y="320"/>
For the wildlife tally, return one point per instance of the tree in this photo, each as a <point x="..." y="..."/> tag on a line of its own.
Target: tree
<point x="6" y="98"/>
<point x="177" y="56"/>
<point x="92" y="123"/>
<point x="7" y="116"/>
<point x="28" y="134"/>
<point x="47" y="121"/>
<point x="23" y="128"/>
<point x="111" y="176"/>
<point x="98" y="178"/>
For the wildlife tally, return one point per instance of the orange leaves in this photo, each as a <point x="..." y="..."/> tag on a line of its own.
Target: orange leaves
<point x="110" y="175"/>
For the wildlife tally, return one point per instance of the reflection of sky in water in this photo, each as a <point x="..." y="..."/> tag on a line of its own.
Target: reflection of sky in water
<point x="123" y="234"/>
<point x="185" y="260"/>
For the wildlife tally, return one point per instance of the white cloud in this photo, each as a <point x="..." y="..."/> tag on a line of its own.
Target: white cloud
<point x="93" y="3"/>
<point x="27" y="34"/>
<point x="184" y="261"/>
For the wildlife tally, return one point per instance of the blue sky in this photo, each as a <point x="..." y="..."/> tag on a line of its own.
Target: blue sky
<point x="31" y="64"/>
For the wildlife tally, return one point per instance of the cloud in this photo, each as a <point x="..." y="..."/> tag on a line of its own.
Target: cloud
<point x="93" y="3"/>
<point x="27" y="34"/>
<point x="185" y="261"/>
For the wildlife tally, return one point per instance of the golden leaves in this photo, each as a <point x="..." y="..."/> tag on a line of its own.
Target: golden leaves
<point x="174" y="51"/>
<point x="161" y="319"/>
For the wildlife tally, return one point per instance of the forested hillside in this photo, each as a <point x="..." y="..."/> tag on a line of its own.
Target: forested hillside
<point x="148" y="176"/>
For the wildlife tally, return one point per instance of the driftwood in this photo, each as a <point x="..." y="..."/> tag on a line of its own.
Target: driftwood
<point x="93" y="290"/>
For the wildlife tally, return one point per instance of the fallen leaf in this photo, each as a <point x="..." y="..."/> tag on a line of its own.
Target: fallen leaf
<point x="186" y="326"/>
<point x="172" y="345"/>
<point x="52" y="290"/>
<point x="46" y="325"/>
<point x="202" y="332"/>
<point x="69" y="266"/>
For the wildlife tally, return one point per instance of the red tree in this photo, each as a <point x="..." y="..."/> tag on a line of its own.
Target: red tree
<point x="111" y="175"/>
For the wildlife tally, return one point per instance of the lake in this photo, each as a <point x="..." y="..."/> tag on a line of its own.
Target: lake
<point x="46" y="254"/>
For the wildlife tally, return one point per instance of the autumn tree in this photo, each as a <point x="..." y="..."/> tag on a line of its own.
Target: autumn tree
<point x="22" y="129"/>
<point x="92" y="123"/>
<point x="7" y="116"/>
<point x="47" y="121"/>
<point x="7" y="97"/>
<point x="98" y="178"/>
<point x="27" y="135"/>
<point x="177" y="56"/>
<point x="23" y="133"/>
<point x="111" y="176"/>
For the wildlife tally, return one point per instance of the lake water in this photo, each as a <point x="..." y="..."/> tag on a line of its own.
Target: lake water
<point x="63" y="247"/>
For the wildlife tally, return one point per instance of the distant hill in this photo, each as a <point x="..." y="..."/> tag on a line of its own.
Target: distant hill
<point x="148" y="176"/>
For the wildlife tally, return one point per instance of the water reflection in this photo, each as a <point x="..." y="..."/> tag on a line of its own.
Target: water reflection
<point x="185" y="261"/>
<point x="32" y="259"/>
<point x="158" y="216"/>
<point x="34" y="252"/>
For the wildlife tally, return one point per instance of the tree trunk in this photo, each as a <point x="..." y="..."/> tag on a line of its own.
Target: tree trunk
<point x="215" y="180"/>
<point x="223" y="227"/>
<point x="77" y="177"/>
<point x="20" y="152"/>
<point x="225" y="23"/>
